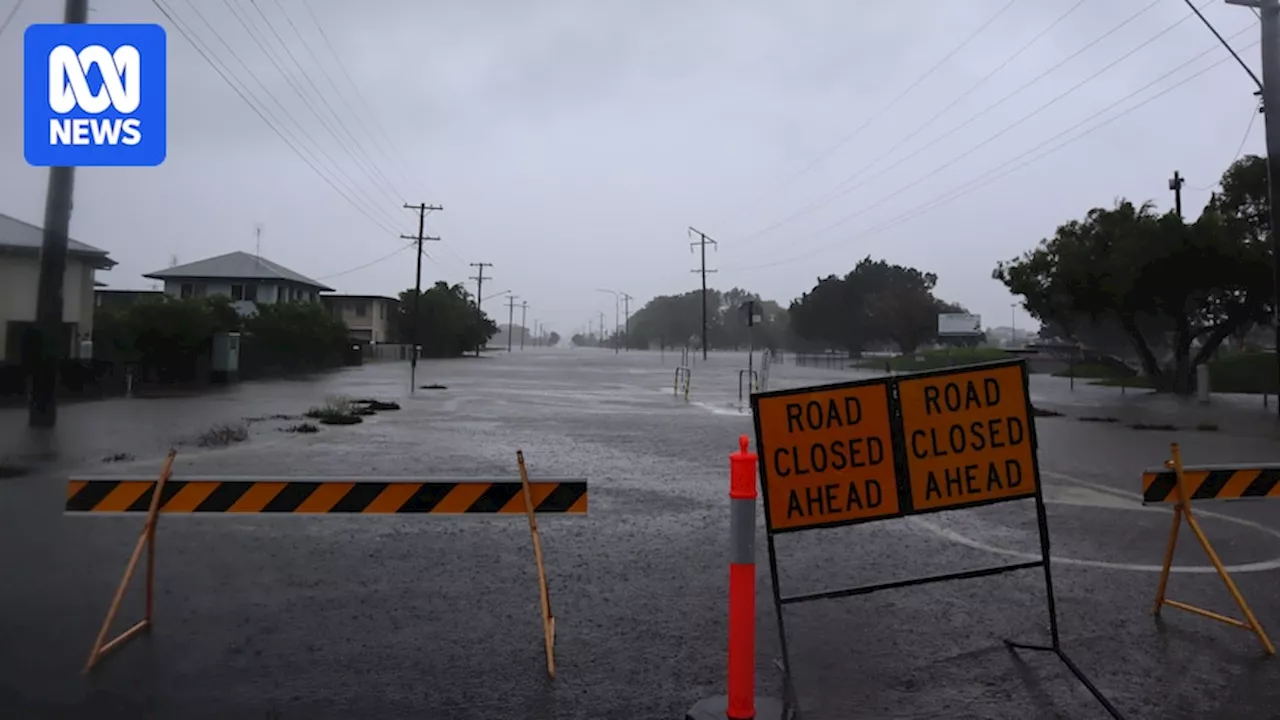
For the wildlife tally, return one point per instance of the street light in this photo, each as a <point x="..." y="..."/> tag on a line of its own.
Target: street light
<point x="617" y="298"/>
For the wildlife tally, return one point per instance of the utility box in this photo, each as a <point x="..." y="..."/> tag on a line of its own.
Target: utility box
<point x="224" y="366"/>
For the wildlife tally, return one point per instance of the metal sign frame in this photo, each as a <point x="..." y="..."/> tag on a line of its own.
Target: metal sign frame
<point x="906" y="508"/>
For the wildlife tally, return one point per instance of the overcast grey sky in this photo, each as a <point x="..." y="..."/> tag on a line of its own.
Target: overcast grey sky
<point x="571" y="142"/>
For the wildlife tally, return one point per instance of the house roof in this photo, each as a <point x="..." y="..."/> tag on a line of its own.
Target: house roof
<point x="340" y="296"/>
<point x="236" y="265"/>
<point x="15" y="233"/>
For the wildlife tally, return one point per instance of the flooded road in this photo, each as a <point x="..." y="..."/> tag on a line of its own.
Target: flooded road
<point x="437" y="616"/>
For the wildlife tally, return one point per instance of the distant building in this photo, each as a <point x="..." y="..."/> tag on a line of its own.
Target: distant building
<point x="245" y="278"/>
<point x="369" y="318"/>
<point x="20" y="276"/>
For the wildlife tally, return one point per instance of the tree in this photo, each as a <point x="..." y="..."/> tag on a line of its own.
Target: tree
<point x="1154" y="275"/>
<point x="168" y="338"/>
<point x="875" y="302"/>
<point x="294" y="336"/>
<point x="898" y="303"/>
<point x="450" y="325"/>
<point x="553" y="339"/>
<point x="676" y="320"/>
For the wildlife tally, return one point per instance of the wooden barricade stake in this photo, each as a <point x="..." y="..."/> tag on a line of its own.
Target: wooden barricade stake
<point x="1181" y="511"/>
<point x="548" y="620"/>
<point x="146" y="539"/>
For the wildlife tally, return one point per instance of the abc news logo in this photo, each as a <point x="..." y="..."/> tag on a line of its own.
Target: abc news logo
<point x="94" y="95"/>
<point x="121" y="90"/>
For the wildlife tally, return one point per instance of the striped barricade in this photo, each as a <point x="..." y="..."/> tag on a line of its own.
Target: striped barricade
<point x="321" y="496"/>
<point x="1179" y="485"/>
<point x="224" y="496"/>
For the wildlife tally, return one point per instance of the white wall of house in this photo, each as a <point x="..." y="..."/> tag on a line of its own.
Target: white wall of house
<point x="367" y="318"/>
<point x="264" y="292"/>
<point x="19" y="279"/>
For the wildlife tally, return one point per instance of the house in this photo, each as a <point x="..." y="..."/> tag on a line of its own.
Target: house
<point x="370" y="318"/>
<point x="245" y="278"/>
<point x="19" y="278"/>
<point x="108" y="299"/>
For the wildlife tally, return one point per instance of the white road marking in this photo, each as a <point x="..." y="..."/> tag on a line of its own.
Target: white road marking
<point x="1116" y="499"/>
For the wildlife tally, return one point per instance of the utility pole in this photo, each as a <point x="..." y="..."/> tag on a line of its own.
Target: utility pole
<point x="626" y="301"/>
<point x="479" y="278"/>
<point x="524" y="311"/>
<point x="48" y="345"/>
<point x="703" y="242"/>
<point x="511" y="316"/>
<point x="1269" y="88"/>
<point x="1175" y="184"/>
<point x="422" y="209"/>
<point x="600" y="343"/>
<point x="537" y="332"/>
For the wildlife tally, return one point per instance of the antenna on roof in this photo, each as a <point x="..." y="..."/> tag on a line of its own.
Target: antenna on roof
<point x="257" y="240"/>
<point x="173" y="261"/>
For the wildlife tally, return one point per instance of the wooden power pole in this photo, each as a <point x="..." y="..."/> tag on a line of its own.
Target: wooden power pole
<point x="702" y="243"/>
<point x="480" y="278"/>
<point x="47" y="345"/>
<point x="422" y="209"/>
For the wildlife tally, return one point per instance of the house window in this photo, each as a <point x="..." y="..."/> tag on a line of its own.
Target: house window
<point x="251" y="292"/>
<point x="237" y="292"/>
<point x="187" y="290"/>
<point x="362" y="309"/>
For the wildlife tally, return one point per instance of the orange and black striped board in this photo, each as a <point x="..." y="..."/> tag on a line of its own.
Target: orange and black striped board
<point x="320" y="496"/>
<point x="1220" y="482"/>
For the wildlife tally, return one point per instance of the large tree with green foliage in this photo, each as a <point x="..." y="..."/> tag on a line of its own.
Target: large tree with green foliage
<point x="167" y="338"/>
<point x="876" y="302"/>
<point x="1159" y="279"/>
<point x="294" y="336"/>
<point x="451" y="324"/>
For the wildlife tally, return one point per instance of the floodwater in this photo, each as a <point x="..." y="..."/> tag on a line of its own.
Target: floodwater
<point x="437" y="616"/>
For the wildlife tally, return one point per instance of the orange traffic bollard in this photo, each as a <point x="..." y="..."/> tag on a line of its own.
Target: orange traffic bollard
<point x="741" y="702"/>
<point x="742" y="583"/>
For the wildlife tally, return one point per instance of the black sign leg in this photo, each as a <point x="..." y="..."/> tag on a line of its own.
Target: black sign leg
<point x="1055" y="645"/>
<point x="791" y="709"/>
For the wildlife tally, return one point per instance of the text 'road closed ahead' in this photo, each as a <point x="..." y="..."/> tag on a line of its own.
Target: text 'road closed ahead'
<point x="827" y="456"/>
<point x="968" y="437"/>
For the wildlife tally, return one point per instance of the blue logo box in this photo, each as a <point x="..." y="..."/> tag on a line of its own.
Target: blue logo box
<point x="94" y="95"/>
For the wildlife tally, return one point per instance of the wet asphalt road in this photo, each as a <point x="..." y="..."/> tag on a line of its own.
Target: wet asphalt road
<point x="437" y="617"/>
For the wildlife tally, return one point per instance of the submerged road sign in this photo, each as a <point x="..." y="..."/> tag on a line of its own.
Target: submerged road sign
<point x="967" y="437"/>
<point x="828" y="456"/>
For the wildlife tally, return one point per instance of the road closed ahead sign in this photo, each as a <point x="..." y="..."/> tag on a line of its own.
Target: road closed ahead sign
<point x="968" y="437"/>
<point x="826" y="455"/>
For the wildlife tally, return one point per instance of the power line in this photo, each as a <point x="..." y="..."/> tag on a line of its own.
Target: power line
<point x="893" y="103"/>
<point x="371" y="263"/>
<point x="9" y="18"/>
<point x="224" y="74"/>
<point x="350" y="185"/>
<point x="396" y="156"/>
<point x="1253" y="115"/>
<point x="356" y="157"/>
<point x="277" y="61"/>
<point x="1218" y="35"/>
<point x="995" y="173"/>
<point x="988" y="140"/>
<point x="959" y="98"/>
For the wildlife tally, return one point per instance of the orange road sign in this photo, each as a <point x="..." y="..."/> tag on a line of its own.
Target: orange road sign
<point x="968" y="437"/>
<point x="826" y="455"/>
